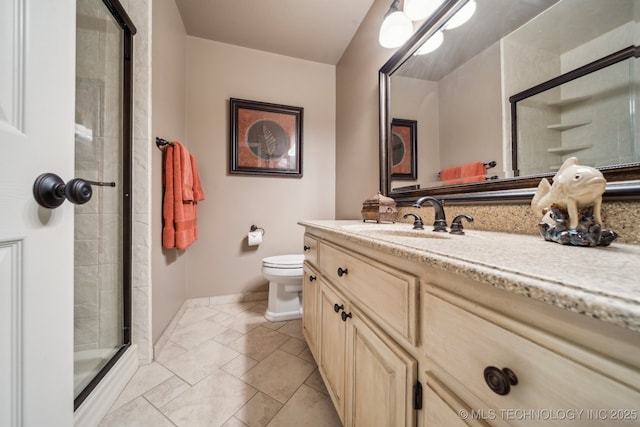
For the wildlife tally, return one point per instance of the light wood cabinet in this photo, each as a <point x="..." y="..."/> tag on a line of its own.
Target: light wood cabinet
<point x="381" y="378"/>
<point x="310" y="301"/>
<point x="369" y="376"/>
<point x="513" y="374"/>
<point x="310" y="248"/>
<point x="443" y="408"/>
<point x="386" y="294"/>
<point x="333" y="341"/>
<point x="401" y="342"/>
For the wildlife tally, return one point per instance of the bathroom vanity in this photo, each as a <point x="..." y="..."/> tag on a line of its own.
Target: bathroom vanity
<point x="412" y="327"/>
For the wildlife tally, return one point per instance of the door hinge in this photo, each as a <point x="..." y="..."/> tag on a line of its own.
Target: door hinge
<point x="417" y="396"/>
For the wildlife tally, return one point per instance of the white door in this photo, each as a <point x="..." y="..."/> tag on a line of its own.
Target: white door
<point x="37" y="83"/>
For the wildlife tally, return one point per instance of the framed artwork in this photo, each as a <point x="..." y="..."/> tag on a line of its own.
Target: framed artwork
<point x="404" y="149"/>
<point x="266" y="139"/>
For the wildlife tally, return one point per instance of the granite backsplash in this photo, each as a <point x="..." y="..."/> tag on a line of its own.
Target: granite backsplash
<point x="621" y="217"/>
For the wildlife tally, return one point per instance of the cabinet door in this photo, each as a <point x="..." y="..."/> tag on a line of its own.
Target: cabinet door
<point x="381" y="376"/>
<point x="310" y="295"/>
<point x="332" y="345"/>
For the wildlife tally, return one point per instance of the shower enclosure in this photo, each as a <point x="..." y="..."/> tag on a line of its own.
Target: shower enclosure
<point x="102" y="240"/>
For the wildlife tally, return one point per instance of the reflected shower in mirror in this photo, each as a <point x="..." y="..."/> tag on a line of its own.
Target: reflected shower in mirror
<point x="458" y="93"/>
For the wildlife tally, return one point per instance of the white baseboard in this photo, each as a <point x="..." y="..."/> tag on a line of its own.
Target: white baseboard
<point x="96" y="406"/>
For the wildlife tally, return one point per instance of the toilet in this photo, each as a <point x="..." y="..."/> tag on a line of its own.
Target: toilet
<point x="284" y="273"/>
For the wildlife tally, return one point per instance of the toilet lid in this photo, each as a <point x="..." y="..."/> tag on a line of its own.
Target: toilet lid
<point x="284" y="261"/>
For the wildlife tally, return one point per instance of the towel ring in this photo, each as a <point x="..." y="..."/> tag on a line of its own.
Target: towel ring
<point x="255" y="228"/>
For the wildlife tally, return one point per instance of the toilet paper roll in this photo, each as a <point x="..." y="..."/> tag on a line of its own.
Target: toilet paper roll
<point x="254" y="238"/>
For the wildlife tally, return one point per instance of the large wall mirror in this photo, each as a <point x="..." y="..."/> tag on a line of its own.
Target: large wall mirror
<point x="517" y="89"/>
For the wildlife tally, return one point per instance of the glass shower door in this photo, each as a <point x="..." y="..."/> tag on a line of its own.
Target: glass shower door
<point x="100" y="225"/>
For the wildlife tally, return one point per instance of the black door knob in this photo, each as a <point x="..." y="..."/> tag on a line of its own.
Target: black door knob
<point x="306" y="248"/>
<point x="78" y="191"/>
<point x="342" y="271"/>
<point x="500" y="380"/>
<point x="312" y="278"/>
<point x="345" y="316"/>
<point x="50" y="191"/>
<point x="337" y="307"/>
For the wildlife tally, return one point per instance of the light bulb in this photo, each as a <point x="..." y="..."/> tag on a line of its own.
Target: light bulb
<point x="420" y="9"/>
<point x="431" y="44"/>
<point x="462" y="16"/>
<point x="395" y="30"/>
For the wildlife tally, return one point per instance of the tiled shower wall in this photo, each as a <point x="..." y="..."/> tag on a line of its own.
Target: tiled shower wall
<point x="140" y="13"/>
<point x="606" y="109"/>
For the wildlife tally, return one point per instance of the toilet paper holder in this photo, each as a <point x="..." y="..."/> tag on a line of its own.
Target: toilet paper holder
<point x="256" y="228"/>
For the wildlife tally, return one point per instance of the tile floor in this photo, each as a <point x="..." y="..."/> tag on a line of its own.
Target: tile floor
<point x="226" y="365"/>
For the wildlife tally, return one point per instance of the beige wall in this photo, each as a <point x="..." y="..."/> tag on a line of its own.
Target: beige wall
<point x="416" y="99"/>
<point x="168" y="121"/>
<point x="468" y="133"/>
<point x="357" y="143"/>
<point x="220" y="263"/>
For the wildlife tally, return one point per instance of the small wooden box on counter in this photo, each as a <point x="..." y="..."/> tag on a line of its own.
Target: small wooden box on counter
<point x="379" y="209"/>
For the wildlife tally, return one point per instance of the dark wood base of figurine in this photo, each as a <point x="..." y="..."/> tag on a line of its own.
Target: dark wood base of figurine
<point x="555" y="228"/>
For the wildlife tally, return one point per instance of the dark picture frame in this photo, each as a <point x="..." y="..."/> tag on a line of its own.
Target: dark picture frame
<point x="265" y="138"/>
<point x="403" y="149"/>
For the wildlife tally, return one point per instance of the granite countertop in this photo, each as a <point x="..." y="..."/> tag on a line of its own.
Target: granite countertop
<point x="600" y="282"/>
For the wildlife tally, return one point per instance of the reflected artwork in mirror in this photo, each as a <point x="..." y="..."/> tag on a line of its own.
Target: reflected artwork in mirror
<point x="504" y="88"/>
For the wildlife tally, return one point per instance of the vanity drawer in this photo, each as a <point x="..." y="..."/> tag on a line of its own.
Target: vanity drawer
<point x="443" y="408"/>
<point x="384" y="293"/>
<point x="311" y="249"/>
<point x="464" y="344"/>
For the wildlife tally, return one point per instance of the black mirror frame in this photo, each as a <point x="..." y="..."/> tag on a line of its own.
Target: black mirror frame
<point x="623" y="181"/>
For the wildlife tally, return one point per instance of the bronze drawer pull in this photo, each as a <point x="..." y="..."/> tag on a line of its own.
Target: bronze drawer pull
<point x="337" y="307"/>
<point x="345" y="316"/>
<point x="500" y="380"/>
<point x="312" y="278"/>
<point x="306" y="248"/>
<point x="342" y="271"/>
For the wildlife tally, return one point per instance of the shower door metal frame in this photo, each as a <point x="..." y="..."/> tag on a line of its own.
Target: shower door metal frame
<point x="122" y="18"/>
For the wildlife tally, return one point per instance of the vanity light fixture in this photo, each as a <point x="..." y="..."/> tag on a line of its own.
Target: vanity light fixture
<point x="396" y="27"/>
<point x="462" y="16"/>
<point x="431" y="44"/>
<point x="417" y="10"/>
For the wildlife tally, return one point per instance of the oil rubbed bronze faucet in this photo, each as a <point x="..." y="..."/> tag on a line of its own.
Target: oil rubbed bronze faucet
<point x="417" y="221"/>
<point x="440" y="223"/>
<point x="456" y="224"/>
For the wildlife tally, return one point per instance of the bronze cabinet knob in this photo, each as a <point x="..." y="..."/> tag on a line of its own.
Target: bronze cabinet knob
<point x="500" y="380"/>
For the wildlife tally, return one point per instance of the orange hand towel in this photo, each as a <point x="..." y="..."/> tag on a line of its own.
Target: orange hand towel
<point x="180" y="215"/>
<point x="168" y="229"/>
<point x="477" y="178"/>
<point x="450" y="173"/>
<point x="198" y="193"/>
<point x="187" y="173"/>
<point x="183" y="210"/>
<point x="473" y="169"/>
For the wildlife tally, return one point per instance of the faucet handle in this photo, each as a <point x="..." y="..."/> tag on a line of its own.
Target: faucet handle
<point x="456" y="224"/>
<point x="417" y="223"/>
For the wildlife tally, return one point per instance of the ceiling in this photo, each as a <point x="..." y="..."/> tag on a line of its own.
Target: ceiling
<point x="315" y="30"/>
